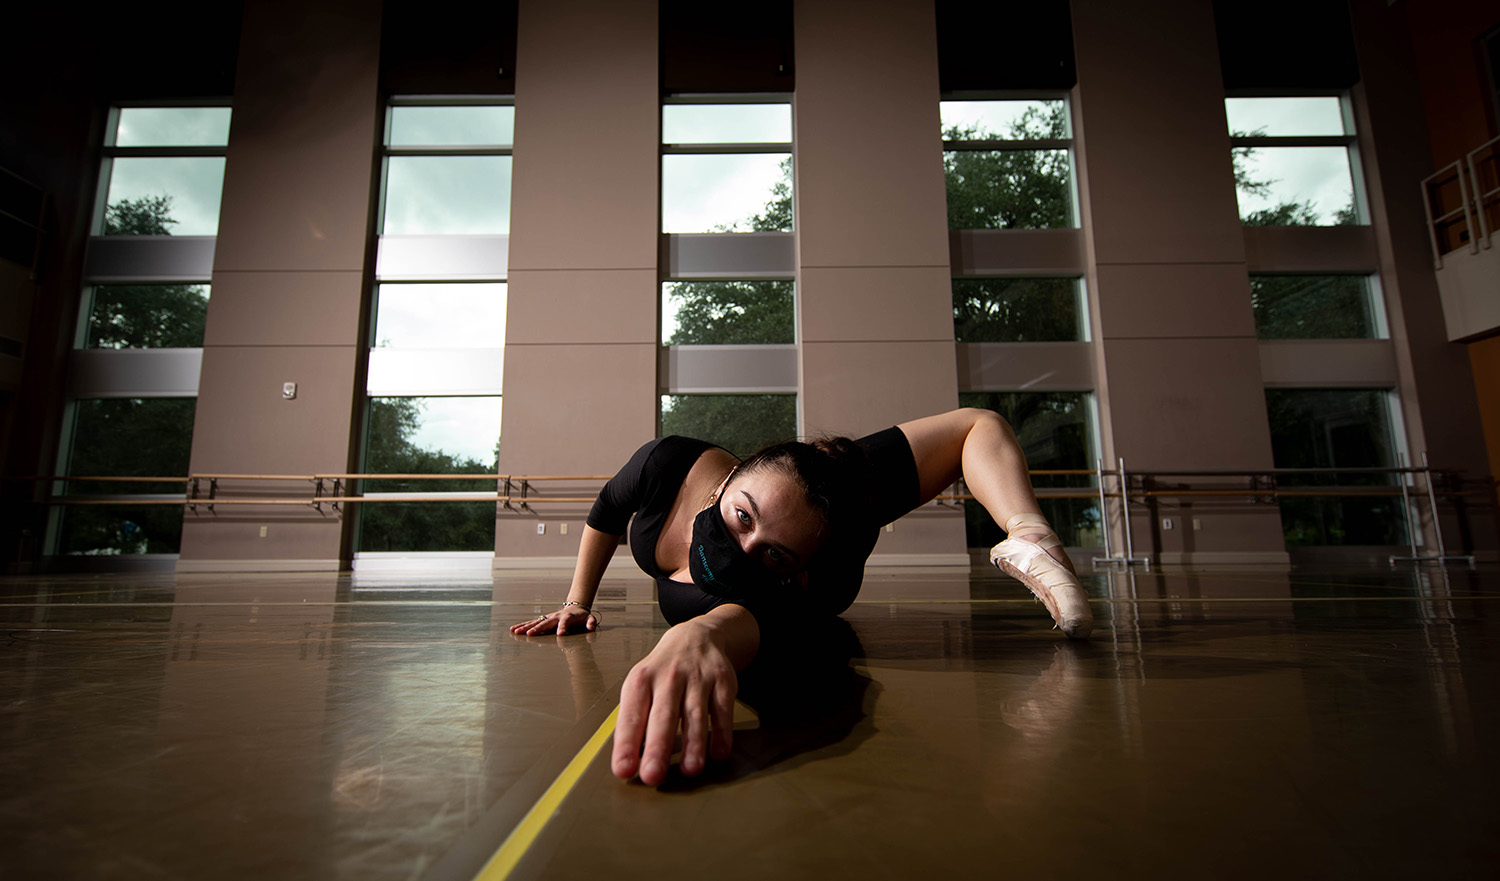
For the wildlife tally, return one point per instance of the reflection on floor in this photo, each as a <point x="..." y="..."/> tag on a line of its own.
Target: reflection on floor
<point x="1225" y="724"/>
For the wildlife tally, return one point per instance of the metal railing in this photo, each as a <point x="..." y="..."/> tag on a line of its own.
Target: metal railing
<point x="1475" y="201"/>
<point x="518" y="493"/>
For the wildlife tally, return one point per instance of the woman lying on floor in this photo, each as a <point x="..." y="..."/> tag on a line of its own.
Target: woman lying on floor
<point x="745" y="552"/>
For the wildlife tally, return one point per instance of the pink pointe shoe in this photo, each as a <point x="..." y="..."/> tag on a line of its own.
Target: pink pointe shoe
<point x="1029" y="563"/>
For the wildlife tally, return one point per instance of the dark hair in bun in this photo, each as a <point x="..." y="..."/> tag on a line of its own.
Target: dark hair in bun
<point x="832" y="472"/>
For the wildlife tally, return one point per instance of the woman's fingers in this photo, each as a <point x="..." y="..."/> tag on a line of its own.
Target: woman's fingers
<point x="630" y="725"/>
<point x="661" y="729"/>
<point x="722" y="737"/>
<point x="694" y="731"/>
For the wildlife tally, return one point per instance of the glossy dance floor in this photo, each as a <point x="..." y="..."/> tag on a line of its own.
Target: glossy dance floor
<point x="1227" y="724"/>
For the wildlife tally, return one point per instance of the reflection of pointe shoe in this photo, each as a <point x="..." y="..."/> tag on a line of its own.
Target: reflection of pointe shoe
<point x="1029" y="563"/>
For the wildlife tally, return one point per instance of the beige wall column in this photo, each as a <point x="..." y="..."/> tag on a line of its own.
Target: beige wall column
<point x="581" y="324"/>
<point x="874" y="288"/>
<point x="289" y="280"/>
<point x="1173" y="326"/>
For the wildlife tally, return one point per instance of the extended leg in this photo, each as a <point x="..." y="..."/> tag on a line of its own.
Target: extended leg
<point x="980" y="447"/>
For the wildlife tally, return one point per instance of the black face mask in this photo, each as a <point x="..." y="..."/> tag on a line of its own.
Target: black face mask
<point x="718" y="564"/>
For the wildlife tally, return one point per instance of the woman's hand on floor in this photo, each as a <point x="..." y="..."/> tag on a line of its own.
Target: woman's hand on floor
<point x="568" y="619"/>
<point x="687" y="681"/>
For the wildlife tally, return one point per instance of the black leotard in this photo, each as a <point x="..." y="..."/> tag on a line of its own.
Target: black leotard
<point x="648" y="485"/>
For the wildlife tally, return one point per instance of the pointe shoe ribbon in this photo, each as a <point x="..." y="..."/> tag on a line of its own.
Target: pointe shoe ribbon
<point x="1029" y="563"/>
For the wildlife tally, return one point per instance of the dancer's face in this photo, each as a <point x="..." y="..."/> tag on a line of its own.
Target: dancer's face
<point x="769" y="516"/>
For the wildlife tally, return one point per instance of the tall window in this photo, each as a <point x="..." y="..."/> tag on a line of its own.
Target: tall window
<point x="1294" y="161"/>
<point x="727" y="170"/>
<point x="438" y="333"/>
<point x="1336" y="428"/>
<point x="1056" y="431"/>
<point x="130" y="413"/>
<point x="1008" y="164"/>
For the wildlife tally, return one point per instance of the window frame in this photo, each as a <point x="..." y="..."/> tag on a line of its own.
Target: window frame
<point x="388" y="150"/>
<point x="1349" y="140"/>
<point x="719" y="149"/>
<point x="1067" y="145"/>
<point x="109" y="152"/>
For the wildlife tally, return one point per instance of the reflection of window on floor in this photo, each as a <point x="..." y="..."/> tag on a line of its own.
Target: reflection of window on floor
<point x="433" y="435"/>
<point x="740" y="424"/>
<point x="1018" y="310"/>
<point x="126" y="437"/>
<point x="1292" y="164"/>
<point x="1055" y="430"/>
<point x="726" y="166"/>
<point x="1335" y="428"/>
<point x="1315" y="307"/>
<point x="1008" y="164"/>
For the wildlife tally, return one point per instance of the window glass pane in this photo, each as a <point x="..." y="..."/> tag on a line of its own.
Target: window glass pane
<point x="452" y="126"/>
<point x="1335" y="428"/>
<point x="127" y="437"/>
<point x="430" y="436"/>
<point x="1008" y="189"/>
<point x="1054" y="430"/>
<point x="726" y="124"/>
<point x="1016" y="310"/>
<point x="447" y="195"/>
<point x="172" y="127"/>
<point x="440" y="316"/>
<point x="726" y="193"/>
<point x="1294" y="186"/>
<point x="727" y="312"/>
<point x="416" y="527"/>
<point x="147" y="316"/>
<point x="1311" y="307"/>
<point x="1004" y="120"/>
<point x="1276" y="117"/>
<point x="160" y="195"/>
<point x="740" y="424"/>
<point x="131" y="437"/>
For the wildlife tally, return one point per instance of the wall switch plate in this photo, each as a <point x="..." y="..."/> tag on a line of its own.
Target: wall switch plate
<point x="1197" y="523"/>
<point x="264" y="530"/>
<point x="1166" y="523"/>
<point x="563" y="529"/>
<point x="541" y="529"/>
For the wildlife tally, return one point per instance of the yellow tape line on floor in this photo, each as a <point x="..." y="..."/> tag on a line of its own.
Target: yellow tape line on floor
<point x="520" y="839"/>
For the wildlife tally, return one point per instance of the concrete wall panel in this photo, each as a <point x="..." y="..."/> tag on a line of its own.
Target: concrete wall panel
<point x="577" y="409"/>
<point x="586" y="153"/>
<point x="1191" y="403"/>
<point x="286" y="309"/>
<point x="869" y="141"/>
<point x="298" y="175"/>
<point x="1153" y="131"/>
<point x="858" y="387"/>
<point x="1175" y="300"/>
<point x="601" y="306"/>
<point x="875" y="303"/>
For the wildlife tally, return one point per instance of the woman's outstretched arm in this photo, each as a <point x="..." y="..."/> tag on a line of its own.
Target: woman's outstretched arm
<point x="595" y="550"/>
<point x="689" y="681"/>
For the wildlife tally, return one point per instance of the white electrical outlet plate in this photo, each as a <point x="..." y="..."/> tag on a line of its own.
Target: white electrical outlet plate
<point x="541" y="529"/>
